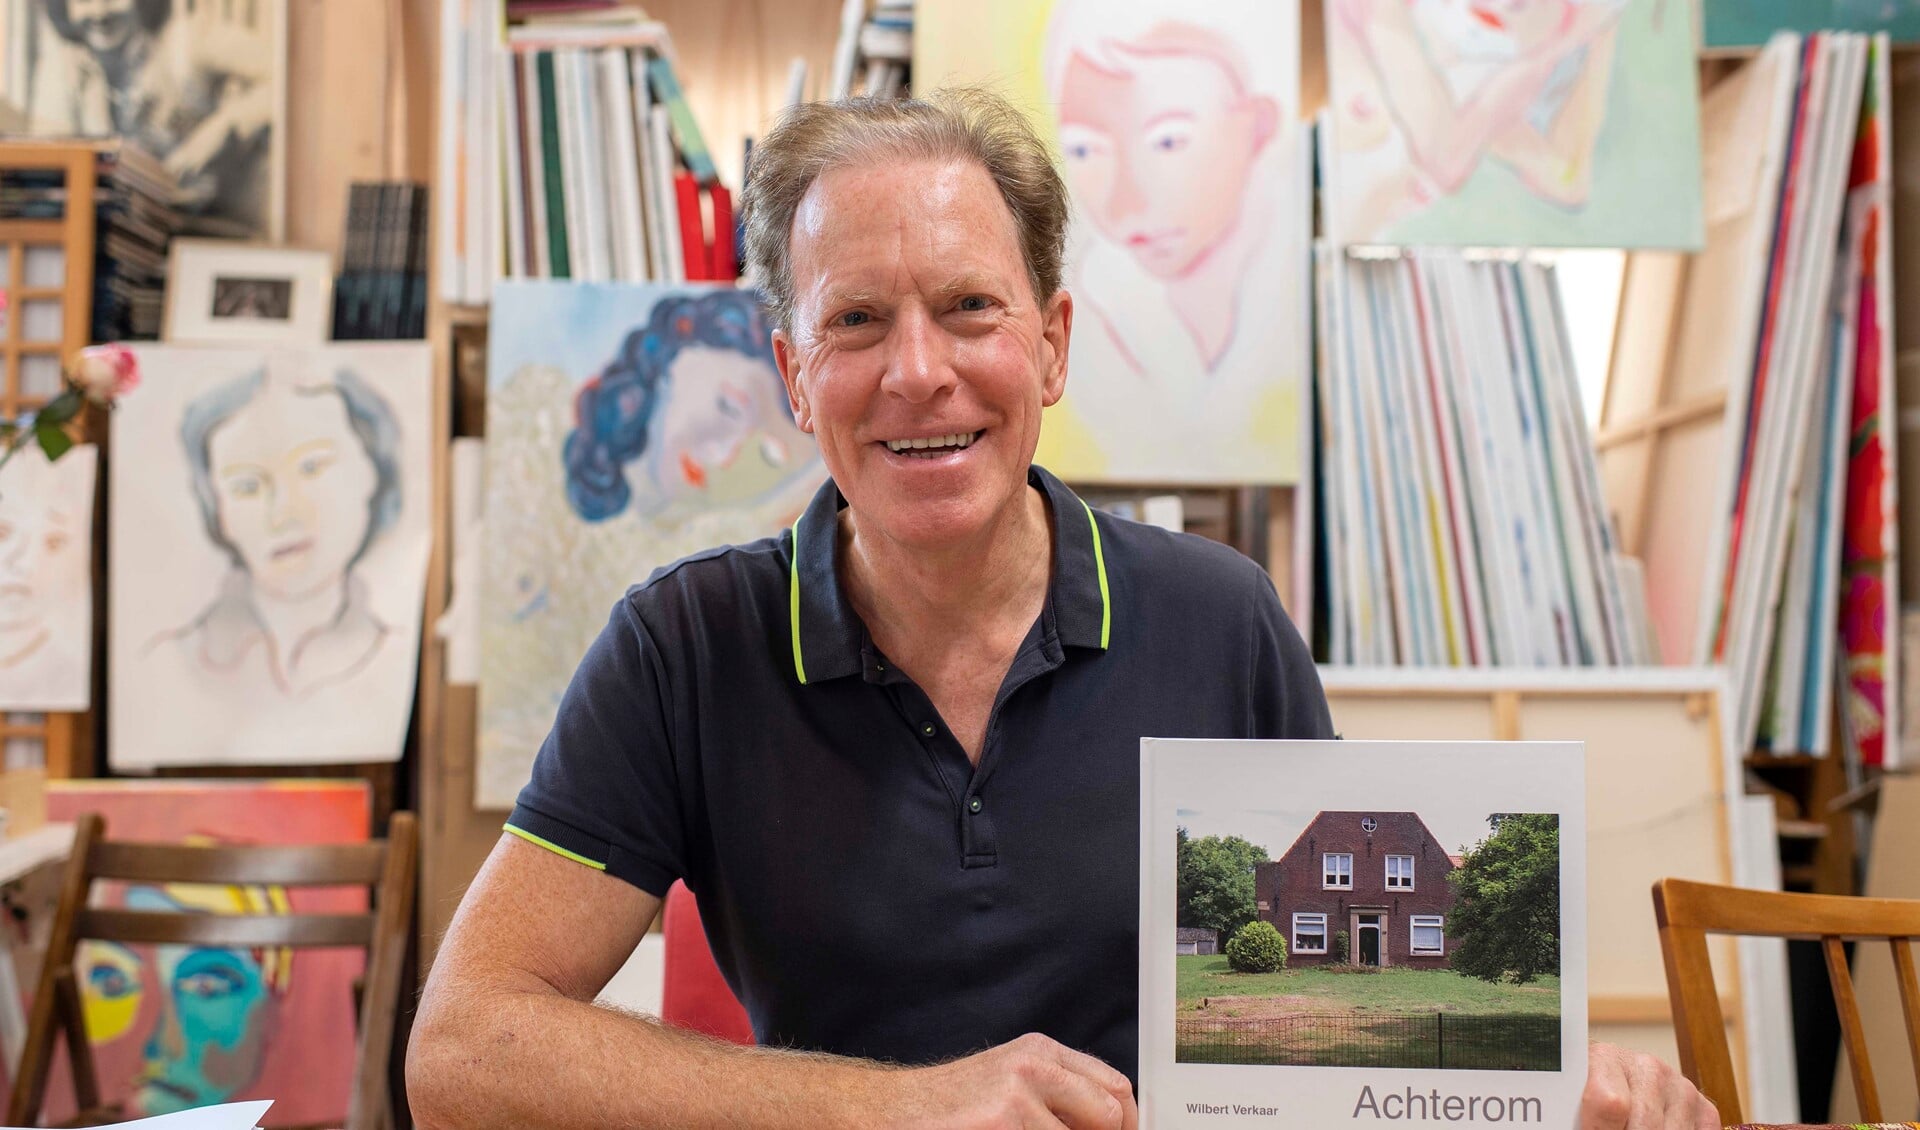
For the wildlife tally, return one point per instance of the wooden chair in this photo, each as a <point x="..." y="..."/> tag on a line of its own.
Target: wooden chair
<point x="1687" y="912"/>
<point x="388" y="867"/>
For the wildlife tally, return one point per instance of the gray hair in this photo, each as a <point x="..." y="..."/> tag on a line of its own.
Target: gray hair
<point x="962" y="123"/>
<point x="368" y="413"/>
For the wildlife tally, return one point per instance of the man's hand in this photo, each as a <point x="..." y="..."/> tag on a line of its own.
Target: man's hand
<point x="1030" y="1082"/>
<point x="1630" y="1091"/>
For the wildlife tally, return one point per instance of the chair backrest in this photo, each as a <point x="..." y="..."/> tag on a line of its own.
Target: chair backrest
<point x="1687" y="912"/>
<point x="695" y="995"/>
<point x="386" y="867"/>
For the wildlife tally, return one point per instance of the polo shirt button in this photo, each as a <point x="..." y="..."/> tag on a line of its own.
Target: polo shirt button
<point x="929" y="729"/>
<point x="974" y="805"/>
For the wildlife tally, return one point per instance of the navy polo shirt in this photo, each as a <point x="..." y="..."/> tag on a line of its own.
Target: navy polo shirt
<point x="866" y="890"/>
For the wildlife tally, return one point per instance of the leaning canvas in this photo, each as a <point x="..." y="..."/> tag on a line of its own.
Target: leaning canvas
<point x="174" y="1027"/>
<point x="1178" y="133"/>
<point x="1563" y="123"/>
<point x="270" y="517"/>
<point x="1344" y="932"/>
<point x="199" y="85"/>
<point x="627" y="426"/>
<point x="46" y="580"/>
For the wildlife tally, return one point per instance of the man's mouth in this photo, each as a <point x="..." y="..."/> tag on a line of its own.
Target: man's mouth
<point x="932" y="447"/>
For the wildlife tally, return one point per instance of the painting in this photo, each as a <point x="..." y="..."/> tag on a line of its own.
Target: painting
<point x="270" y="518"/>
<point x="1519" y="123"/>
<point x="199" y="84"/>
<point x="221" y="292"/>
<point x="1749" y="23"/>
<point x="46" y="580"/>
<point x="1177" y="128"/>
<point x="175" y="1027"/>
<point x="627" y="426"/>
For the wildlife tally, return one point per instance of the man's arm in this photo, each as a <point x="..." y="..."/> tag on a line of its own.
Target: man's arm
<point x="508" y="1036"/>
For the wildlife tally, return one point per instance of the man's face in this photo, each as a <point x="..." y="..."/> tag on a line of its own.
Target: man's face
<point x="105" y="25"/>
<point x="1158" y="157"/>
<point x="919" y="356"/>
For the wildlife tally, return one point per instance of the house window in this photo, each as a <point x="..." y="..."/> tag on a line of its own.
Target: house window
<point x="1400" y="873"/>
<point x="1337" y="872"/>
<point x="1429" y="935"/>
<point x="1310" y="933"/>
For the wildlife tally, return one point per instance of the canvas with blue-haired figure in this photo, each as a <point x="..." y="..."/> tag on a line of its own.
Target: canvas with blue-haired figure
<point x="627" y="426"/>
<point x="270" y="524"/>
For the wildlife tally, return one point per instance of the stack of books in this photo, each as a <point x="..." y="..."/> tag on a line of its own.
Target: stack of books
<point x="380" y="293"/>
<point x="875" y="50"/>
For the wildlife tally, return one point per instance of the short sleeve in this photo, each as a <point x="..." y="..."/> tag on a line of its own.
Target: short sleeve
<point x="605" y="789"/>
<point x="1288" y="701"/>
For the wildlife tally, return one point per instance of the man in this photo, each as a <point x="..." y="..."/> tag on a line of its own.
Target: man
<point x="894" y="751"/>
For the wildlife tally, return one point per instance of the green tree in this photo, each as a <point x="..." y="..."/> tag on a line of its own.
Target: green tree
<point x="1215" y="882"/>
<point x="1505" y="922"/>
<point x="1256" y="948"/>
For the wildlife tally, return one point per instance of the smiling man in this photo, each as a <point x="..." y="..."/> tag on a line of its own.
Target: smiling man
<point x="895" y="750"/>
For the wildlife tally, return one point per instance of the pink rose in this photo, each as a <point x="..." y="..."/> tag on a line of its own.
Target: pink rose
<point x="104" y="373"/>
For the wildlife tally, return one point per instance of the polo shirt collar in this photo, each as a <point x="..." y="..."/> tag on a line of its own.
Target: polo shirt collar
<point x="827" y="635"/>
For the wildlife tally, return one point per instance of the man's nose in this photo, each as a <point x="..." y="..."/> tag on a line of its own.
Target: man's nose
<point x="921" y="364"/>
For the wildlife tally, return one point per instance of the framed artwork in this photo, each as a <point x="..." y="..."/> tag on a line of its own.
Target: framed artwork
<point x="175" y="1027"/>
<point x="1177" y="126"/>
<point x="1571" y="123"/>
<point x="199" y="84"/>
<point x="46" y="580"/>
<point x="271" y="520"/>
<point x="627" y="427"/>
<point x="224" y="293"/>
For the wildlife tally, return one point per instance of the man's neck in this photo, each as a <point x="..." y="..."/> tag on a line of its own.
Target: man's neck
<point x="995" y="580"/>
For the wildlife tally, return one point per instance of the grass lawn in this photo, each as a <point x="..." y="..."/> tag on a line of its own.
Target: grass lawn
<point x="1389" y="990"/>
<point x="1392" y="1018"/>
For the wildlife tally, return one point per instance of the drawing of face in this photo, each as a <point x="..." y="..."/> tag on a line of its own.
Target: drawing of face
<point x="1490" y="30"/>
<point x="1158" y="156"/>
<point x="722" y="434"/>
<point x="105" y="25"/>
<point x="293" y="482"/>
<point x="40" y="539"/>
<point x="210" y="1039"/>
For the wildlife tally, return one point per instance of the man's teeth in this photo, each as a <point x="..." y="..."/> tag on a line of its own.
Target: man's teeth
<point x="933" y="443"/>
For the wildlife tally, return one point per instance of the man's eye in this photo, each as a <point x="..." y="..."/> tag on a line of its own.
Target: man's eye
<point x="973" y="302"/>
<point x="855" y="318"/>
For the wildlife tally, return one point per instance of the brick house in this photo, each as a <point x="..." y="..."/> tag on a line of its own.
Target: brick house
<point x="1380" y="876"/>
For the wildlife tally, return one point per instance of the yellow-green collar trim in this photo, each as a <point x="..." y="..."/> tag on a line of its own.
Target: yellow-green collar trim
<point x="1100" y="566"/>
<point x="793" y="604"/>
<point x="553" y="847"/>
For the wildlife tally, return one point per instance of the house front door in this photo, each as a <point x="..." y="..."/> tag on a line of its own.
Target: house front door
<point x="1366" y="939"/>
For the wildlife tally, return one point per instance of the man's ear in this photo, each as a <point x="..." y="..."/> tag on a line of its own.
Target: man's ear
<point x="787" y="360"/>
<point x="1056" y="332"/>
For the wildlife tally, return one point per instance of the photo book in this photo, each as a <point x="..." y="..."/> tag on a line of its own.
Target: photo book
<point x="1339" y="933"/>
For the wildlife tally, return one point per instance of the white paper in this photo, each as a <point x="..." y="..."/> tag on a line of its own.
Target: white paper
<point x="459" y="625"/>
<point x="46" y="580"/>
<point x="271" y="519"/>
<point x="1289" y="797"/>
<point x="228" y="1116"/>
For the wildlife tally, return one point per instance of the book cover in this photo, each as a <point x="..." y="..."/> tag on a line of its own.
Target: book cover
<point x="1353" y="931"/>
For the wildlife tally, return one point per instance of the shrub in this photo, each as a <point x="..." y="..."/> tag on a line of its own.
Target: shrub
<point x="1256" y="948"/>
<point x="1337" y="952"/>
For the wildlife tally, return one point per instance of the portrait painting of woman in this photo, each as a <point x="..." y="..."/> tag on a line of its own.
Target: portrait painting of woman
<point x="294" y="512"/>
<point x="46" y="580"/>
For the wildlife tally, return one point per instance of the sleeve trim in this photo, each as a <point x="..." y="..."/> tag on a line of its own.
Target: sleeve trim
<point x="553" y="847"/>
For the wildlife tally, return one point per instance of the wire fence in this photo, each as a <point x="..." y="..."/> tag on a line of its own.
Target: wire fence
<point x="1373" y="1039"/>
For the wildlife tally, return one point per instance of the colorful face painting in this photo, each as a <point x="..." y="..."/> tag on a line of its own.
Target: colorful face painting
<point x="627" y="426"/>
<point x="1514" y="123"/>
<point x="175" y="1027"/>
<point x="1178" y="135"/>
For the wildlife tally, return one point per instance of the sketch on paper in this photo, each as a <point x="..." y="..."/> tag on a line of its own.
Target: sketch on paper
<point x="46" y="580"/>
<point x="627" y="426"/>
<point x="1526" y="123"/>
<point x="195" y="83"/>
<point x="1178" y="134"/>
<point x="270" y="525"/>
<point x="174" y="1027"/>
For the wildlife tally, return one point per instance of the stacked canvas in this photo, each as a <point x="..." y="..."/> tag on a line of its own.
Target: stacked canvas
<point x="575" y="156"/>
<point x="1462" y="516"/>
<point x="1784" y="330"/>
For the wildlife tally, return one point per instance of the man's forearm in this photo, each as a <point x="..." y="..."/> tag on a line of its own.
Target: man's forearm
<point x="517" y="1058"/>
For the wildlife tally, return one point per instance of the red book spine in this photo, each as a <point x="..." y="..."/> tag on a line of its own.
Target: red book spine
<point x="724" y="267"/>
<point x="693" y="240"/>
